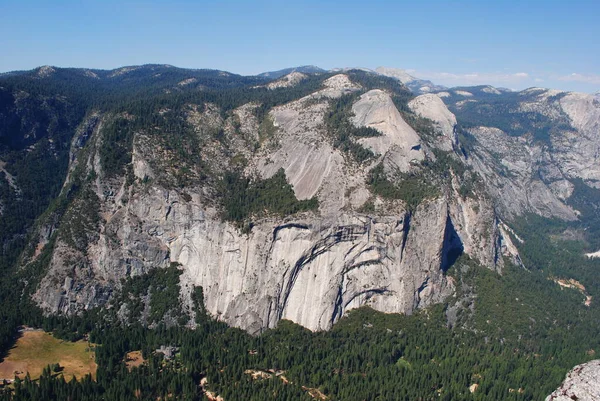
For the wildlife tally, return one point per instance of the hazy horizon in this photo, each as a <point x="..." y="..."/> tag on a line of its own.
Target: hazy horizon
<point x="542" y="43"/>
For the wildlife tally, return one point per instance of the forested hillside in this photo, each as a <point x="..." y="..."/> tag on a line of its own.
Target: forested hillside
<point x="86" y="155"/>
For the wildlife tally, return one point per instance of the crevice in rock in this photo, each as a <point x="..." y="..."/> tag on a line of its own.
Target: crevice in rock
<point x="349" y="268"/>
<point x="405" y="231"/>
<point x="289" y="225"/>
<point x="351" y="250"/>
<point x="337" y="308"/>
<point x="423" y="286"/>
<point x="452" y="247"/>
<point x="498" y="242"/>
<point x="277" y="229"/>
<point x="341" y="234"/>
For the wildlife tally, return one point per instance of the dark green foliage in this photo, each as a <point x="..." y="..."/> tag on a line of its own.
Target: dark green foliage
<point x="466" y="140"/>
<point x="161" y="286"/>
<point x="503" y="111"/>
<point x="586" y="199"/>
<point x="244" y="198"/>
<point x="423" y="183"/>
<point x="525" y="332"/>
<point x="366" y="132"/>
<point x="164" y="293"/>
<point x="545" y="248"/>
<point x="420" y="124"/>
<point x="81" y="220"/>
<point x="367" y="355"/>
<point x="199" y="308"/>
<point x="339" y="126"/>
<point x="117" y="143"/>
<point x="34" y="143"/>
<point x="411" y="188"/>
<point x="515" y="307"/>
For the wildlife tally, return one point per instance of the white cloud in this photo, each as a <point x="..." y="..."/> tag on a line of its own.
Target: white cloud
<point x="580" y="82"/>
<point x="586" y="78"/>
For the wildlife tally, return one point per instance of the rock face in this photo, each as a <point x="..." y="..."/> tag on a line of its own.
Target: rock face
<point x="313" y="267"/>
<point x="432" y="107"/>
<point x="530" y="145"/>
<point x="582" y="383"/>
<point x="514" y="168"/>
<point x="400" y="144"/>
<point x="579" y="151"/>
<point x="309" y="270"/>
<point x="416" y="85"/>
<point x="291" y="79"/>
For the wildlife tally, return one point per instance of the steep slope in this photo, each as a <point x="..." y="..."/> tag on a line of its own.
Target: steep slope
<point x="185" y="196"/>
<point x="309" y="268"/>
<point x="303" y="200"/>
<point x="35" y="137"/>
<point x="534" y="146"/>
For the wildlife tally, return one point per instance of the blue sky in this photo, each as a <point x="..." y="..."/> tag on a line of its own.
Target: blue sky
<point x="515" y="44"/>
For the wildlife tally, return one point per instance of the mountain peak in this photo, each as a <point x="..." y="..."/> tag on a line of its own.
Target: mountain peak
<point x="45" y="71"/>
<point x="397" y="73"/>
<point x="416" y="85"/>
<point x="307" y="69"/>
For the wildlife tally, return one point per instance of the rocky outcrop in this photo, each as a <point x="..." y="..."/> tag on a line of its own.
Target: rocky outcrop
<point x="416" y="85"/>
<point x="313" y="267"/>
<point x="309" y="268"/>
<point x="512" y="168"/>
<point x="400" y="145"/>
<point x="548" y="139"/>
<point x="432" y="107"/>
<point x="290" y="79"/>
<point x="582" y="383"/>
<point x="360" y="247"/>
<point x="578" y="152"/>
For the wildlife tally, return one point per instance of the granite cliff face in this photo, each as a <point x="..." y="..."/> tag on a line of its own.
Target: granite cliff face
<point x="359" y="248"/>
<point x="582" y="383"/>
<point x="531" y="145"/>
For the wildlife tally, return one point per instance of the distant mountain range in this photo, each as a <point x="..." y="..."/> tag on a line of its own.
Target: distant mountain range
<point x="308" y="69"/>
<point x="416" y="85"/>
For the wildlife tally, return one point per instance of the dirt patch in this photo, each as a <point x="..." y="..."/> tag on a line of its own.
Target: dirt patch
<point x="315" y="393"/>
<point x="35" y="350"/>
<point x="574" y="284"/>
<point x="257" y="374"/>
<point x="134" y="359"/>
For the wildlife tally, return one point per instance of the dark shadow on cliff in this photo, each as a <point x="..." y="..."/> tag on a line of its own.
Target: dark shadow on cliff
<point x="452" y="247"/>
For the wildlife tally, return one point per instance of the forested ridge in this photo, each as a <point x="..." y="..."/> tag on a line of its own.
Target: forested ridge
<point x="367" y="355"/>
<point x="521" y="337"/>
<point x="514" y="335"/>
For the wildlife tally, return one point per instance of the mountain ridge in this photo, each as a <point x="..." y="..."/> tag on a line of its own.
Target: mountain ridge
<point x="156" y="204"/>
<point x="393" y="153"/>
<point x="412" y="82"/>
